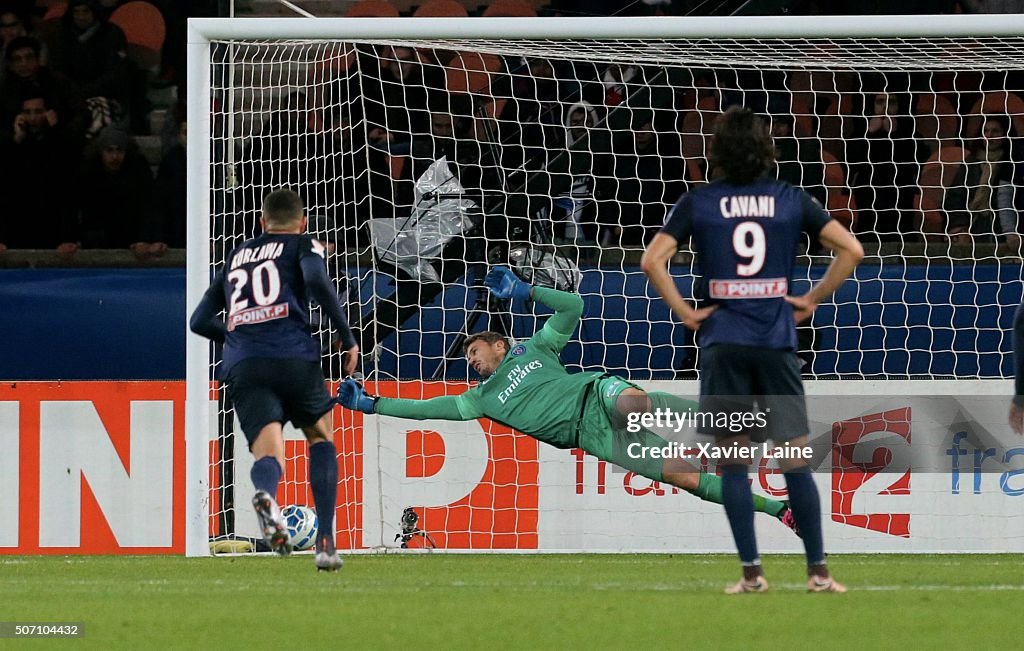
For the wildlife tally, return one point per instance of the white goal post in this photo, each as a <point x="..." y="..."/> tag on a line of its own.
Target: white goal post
<point x="989" y="283"/>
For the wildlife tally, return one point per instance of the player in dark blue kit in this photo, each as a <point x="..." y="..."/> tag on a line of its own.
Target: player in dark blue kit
<point x="271" y="363"/>
<point x="745" y="229"/>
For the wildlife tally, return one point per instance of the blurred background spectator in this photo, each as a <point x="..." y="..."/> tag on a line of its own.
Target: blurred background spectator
<point x="38" y="158"/>
<point x="14" y="24"/>
<point x="114" y="194"/>
<point x="883" y="167"/>
<point x="639" y="182"/>
<point x="92" y="53"/>
<point x="981" y="201"/>
<point x="357" y="133"/>
<point x="168" y="226"/>
<point x="798" y="160"/>
<point x="26" y="75"/>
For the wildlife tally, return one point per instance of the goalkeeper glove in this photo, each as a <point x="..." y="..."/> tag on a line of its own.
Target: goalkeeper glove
<point x="351" y="395"/>
<point x="503" y="283"/>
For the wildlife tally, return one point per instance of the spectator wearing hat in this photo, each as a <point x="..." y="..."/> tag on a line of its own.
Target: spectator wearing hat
<point x="115" y="194"/>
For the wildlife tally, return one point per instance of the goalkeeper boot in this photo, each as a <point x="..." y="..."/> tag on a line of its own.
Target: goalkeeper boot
<point x="786" y="517"/>
<point x="327" y="559"/>
<point x="272" y="525"/>
<point x="824" y="584"/>
<point x="760" y="584"/>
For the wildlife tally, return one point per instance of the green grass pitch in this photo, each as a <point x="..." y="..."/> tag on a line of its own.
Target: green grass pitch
<point x="454" y="601"/>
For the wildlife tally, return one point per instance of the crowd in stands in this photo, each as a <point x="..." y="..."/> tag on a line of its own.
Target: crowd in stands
<point x="597" y="152"/>
<point x="73" y="102"/>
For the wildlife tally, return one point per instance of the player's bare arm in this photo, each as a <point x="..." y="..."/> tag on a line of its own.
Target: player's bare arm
<point x="655" y="266"/>
<point x="848" y="254"/>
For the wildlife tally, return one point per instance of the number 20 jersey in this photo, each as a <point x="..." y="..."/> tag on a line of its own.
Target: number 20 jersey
<point x="266" y="299"/>
<point x="746" y="238"/>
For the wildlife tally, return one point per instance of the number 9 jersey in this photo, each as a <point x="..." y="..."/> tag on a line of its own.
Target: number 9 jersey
<point x="745" y="238"/>
<point x="267" y="300"/>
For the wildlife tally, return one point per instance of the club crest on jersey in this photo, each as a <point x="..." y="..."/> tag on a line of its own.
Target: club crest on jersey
<point x="518" y="350"/>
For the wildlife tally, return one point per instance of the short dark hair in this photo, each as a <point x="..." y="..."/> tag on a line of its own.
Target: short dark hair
<point x="34" y="92"/>
<point x="22" y="42"/>
<point x="487" y="336"/>
<point x="282" y="207"/>
<point x="742" y="148"/>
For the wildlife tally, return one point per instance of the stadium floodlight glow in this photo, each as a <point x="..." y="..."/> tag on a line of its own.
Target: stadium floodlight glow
<point x="266" y="97"/>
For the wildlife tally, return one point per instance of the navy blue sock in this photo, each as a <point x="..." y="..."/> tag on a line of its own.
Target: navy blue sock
<point x="803" y="499"/>
<point x="265" y="475"/>
<point x="739" y="507"/>
<point x="323" y="480"/>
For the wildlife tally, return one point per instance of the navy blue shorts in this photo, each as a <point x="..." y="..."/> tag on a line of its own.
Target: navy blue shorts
<point x="269" y="390"/>
<point x="735" y="380"/>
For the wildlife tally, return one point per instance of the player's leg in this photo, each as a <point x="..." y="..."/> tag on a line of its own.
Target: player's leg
<point x="261" y="415"/>
<point x="627" y="399"/>
<point x="806" y="506"/>
<point x="780" y="379"/>
<point x="310" y="408"/>
<point x="323" y="481"/>
<point x="268" y="449"/>
<point x="726" y="388"/>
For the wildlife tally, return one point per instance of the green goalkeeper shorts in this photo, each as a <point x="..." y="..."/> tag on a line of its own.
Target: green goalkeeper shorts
<point x="602" y="435"/>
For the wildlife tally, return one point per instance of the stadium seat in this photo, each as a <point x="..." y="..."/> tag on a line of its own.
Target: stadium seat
<point x="934" y="117"/>
<point x="471" y="72"/>
<point x="56" y="11"/>
<point x="810" y="89"/>
<point x="995" y="103"/>
<point x="937" y="174"/>
<point x="509" y="9"/>
<point x="144" y="29"/>
<point x="441" y="9"/>
<point x="372" y="9"/>
<point x="839" y="198"/>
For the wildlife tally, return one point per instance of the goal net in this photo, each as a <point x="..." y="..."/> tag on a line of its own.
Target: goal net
<point x="424" y="157"/>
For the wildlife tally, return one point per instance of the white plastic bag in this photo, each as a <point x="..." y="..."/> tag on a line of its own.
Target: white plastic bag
<point x="440" y="213"/>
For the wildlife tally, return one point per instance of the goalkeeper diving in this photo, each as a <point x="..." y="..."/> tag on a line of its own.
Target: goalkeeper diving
<point x="527" y="388"/>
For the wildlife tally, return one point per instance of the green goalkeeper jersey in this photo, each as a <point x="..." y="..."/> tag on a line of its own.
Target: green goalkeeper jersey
<point x="530" y="390"/>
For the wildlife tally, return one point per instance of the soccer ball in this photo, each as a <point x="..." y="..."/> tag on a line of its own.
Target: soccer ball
<point x="302" y="525"/>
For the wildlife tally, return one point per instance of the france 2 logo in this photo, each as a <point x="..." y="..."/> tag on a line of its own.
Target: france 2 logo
<point x="871" y="469"/>
<point x="518" y="350"/>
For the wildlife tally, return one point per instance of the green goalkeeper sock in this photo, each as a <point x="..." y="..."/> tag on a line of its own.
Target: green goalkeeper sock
<point x="710" y="490"/>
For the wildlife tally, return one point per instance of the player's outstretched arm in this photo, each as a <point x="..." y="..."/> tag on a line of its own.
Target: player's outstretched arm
<point x="351" y="395"/>
<point x="568" y="307"/>
<point x="314" y="274"/>
<point x="848" y="254"/>
<point x="654" y="264"/>
<point x="205" y="321"/>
